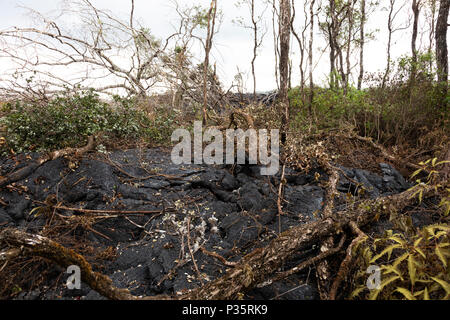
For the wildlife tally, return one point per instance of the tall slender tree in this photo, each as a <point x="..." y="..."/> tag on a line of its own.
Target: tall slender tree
<point x="392" y="28"/>
<point x="310" y="56"/>
<point x="416" y="13"/>
<point x="212" y="12"/>
<point x="285" y="35"/>
<point x="361" y="43"/>
<point x="441" y="49"/>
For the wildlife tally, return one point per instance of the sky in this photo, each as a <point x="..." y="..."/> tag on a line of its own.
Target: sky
<point x="232" y="49"/>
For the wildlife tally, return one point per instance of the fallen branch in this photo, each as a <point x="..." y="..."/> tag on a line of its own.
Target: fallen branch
<point x="309" y="262"/>
<point x="382" y="150"/>
<point x="29" y="169"/>
<point x="38" y="246"/>
<point x="344" y="269"/>
<point x="106" y="211"/>
<point x="322" y="270"/>
<point x="224" y="261"/>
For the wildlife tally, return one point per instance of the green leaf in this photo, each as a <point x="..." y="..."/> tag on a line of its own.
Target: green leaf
<point x="443" y="284"/>
<point x="388" y="251"/>
<point x="442" y="162"/>
<point x="400" y="259"/>
<point x="415" y="173"/>
<point x="421" y="252"/>
<point x="406" y="293"/>
<point x="416" y="243"/>
<point x="357" y="292"/>
<point x="398" y="240"/>
<point x="441" y="256"/>
<point x="392" y="269"/>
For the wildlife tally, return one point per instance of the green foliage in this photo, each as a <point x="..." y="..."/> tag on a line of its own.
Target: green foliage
<point x="393" y="112"/>
<point x="331" y="108"/>
<point x="415" y="263"/>
<point x="431" y="168"/>
<point x="68" y="119"/>
<point x="412" y="267"/>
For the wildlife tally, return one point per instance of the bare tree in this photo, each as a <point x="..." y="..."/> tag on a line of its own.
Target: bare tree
<point x="285" y="35"/>
<point x="301" y="40"/>
<point x="259" y="31"/>
<point x="392" y="28"/>
<point x="106" y="53"/>
<point x="441" y="49"/>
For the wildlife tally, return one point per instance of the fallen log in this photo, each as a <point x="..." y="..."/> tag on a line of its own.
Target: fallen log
<point x="252" y="270"/>
<point x="29" y="169"/>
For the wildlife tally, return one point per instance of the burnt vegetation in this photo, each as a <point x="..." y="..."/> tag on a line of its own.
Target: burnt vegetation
<point x="86" y="176"/>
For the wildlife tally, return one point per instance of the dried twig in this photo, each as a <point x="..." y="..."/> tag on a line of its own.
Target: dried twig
<point x="280" y="197"/>
<point x="106" y="211"/>
<point x="218" y="257"/>
<point x="200" y="277"/>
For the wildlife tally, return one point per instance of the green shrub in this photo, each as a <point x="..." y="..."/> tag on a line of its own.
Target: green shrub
<point x="412" y="267"/>
<point x="68" y="119"/>
<point x="394" y="112"/>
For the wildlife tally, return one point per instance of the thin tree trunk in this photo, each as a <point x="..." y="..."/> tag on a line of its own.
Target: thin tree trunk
<point x="310" y="57"/>
<point x="285" y="32"/>
<point x="255" y="46"/>
<point x="442" y="51"/>
<point x="388" y="62"/>
<point x="209" y="37"/>
<point x="432" y="30"/>
<point x="275" y="42"/>
<point x="416" y="11"/>
<point x="301" y="44"/>
<point x="361" y="44"/>
<point x="332" y="41"/>
<point x="349" y="43"/>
